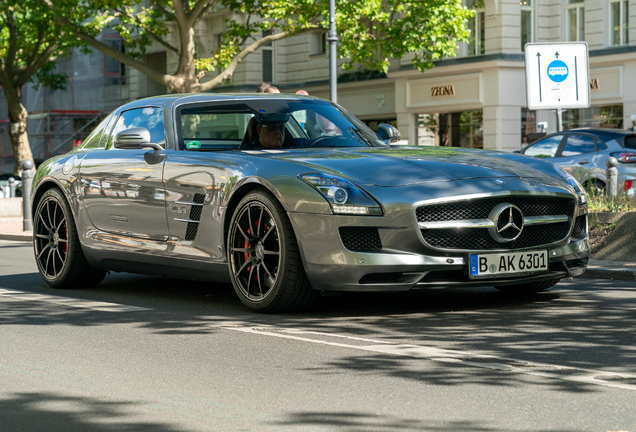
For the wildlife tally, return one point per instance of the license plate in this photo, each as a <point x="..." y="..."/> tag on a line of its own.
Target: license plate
<point x="500" y="264"/>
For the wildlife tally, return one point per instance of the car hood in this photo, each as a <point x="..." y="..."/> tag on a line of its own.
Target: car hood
<point x="404" y="166"/>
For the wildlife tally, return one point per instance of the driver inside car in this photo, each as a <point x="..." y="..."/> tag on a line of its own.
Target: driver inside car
<point x="270" y="135"/>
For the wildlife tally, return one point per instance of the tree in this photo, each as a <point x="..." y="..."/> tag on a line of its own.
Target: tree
<point x="30" y="41"/>
<point x="370" y="32"/>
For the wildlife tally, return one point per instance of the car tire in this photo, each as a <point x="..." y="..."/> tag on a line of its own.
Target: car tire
<point x="58" y="252"/>
<point x="265" y="264"/>
<point x="532" y="287"/>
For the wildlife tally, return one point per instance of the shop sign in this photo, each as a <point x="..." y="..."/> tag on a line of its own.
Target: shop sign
<point x="448" y="90"/>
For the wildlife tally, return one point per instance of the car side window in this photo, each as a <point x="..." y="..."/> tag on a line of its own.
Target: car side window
<point x="578" y="144"/>
<point x="150" y="118"/>
<point x="93" y="140"/>
<point x="630" y="142"/>
<point x="546" y="148"/>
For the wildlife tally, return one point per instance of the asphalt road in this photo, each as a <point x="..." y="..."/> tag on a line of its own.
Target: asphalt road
<point x="143" y="353"/>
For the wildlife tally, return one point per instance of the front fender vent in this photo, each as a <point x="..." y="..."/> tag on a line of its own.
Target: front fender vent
<point x="195" y="215"/>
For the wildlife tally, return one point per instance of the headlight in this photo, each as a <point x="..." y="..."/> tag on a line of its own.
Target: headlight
<point x="343" y="196"/>
<point x="574" y="183"/>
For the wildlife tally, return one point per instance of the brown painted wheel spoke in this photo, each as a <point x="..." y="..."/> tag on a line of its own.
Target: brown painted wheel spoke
<point x="43" y="250"/>
<point x="249" y="218"/>
<point x="243" y="267"/>
<point x="43" y="236"/>
<point x="267" y="271"/>
<point x="59" y="254"/>
<point x="248" y="238"/>
<point x="48" y="259"/>
<point x="249" y="279"/>
<point x="44" y="223"/>
<point x="272" y="228"/>
<point x="259" y="277"/>
<point x="48" y="214"/>
<point x="266" y="252"/>
<point x="244" y="250"/>
<point x="260" y="223"/>
<point x="57" y="228"/>
<point x="63" y="241"/>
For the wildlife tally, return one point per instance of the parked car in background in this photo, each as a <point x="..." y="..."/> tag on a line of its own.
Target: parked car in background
<point x="583" y="153"/>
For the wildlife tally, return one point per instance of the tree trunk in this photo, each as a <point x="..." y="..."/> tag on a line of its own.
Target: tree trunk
<point x="18" y="129"/>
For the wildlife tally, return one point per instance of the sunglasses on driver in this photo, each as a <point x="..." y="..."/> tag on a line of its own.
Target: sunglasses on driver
<point x="273" y="127"/>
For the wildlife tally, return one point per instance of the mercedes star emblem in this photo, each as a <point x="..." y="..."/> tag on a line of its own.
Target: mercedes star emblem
<point x="508" y="222"/>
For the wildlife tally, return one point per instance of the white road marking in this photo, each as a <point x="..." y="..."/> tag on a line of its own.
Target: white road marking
<point x="78" y="303"/>
<point x="545" y="370"/>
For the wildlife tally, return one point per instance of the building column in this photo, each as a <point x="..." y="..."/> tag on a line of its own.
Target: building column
<point x="502" y="128"/>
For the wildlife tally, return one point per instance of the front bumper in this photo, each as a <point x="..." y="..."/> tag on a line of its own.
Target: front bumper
<point x="331" y="267"/>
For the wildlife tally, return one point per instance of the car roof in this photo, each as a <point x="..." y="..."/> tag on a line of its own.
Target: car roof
<point x="617" y="132"/>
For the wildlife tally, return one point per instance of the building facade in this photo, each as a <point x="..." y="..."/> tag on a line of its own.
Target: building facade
<point x="476" y="99"/>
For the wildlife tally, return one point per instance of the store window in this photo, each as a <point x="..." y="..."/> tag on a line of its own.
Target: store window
<point x="619" y="15"/>
<point x="457" y="129"/>
<point x="576" y="20"/>
<point x="610" y="117"/>
<point x="530" y="132"/>
<point x="373" y="124"/>
<point x="527" y="22"/>
<point x="476" y="45"/>
<point x="268" y="60"/>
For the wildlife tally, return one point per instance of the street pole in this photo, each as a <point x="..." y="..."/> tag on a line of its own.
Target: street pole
<point x="27" y="184"/>
<point x="559" y="112"/>
<point x="332" y="38"/>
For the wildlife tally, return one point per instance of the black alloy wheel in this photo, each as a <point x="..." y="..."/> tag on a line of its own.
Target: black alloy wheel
<point x="265" y="264"/>
<point x="58" y="253"/>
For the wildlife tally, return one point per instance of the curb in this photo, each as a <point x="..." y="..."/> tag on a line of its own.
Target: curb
<point x="26" y="236"/>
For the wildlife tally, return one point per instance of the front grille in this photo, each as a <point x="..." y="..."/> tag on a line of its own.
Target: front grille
<point x="481" y="208"/>
<point x="199" y="198"/>
<point x="579" y="227"/>
<point x="376" y="278"/>
<point x="360" y="238"/>
<point x="480" y="239"/>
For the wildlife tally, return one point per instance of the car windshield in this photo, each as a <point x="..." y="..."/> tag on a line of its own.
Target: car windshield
<point x="307" y="123"/>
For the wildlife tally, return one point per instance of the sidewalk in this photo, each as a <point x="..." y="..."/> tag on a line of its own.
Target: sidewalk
<point x="11" y="229"/>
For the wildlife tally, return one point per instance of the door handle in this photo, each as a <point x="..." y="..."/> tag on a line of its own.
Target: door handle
<point x="583" y="162"/>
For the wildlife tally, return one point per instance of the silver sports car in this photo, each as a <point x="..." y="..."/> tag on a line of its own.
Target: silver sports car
<point x="288" y="197"/>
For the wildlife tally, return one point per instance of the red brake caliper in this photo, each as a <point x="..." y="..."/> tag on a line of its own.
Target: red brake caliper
<point x="247" y="245"/>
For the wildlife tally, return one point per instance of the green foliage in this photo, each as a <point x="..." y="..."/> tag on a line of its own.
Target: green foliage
<point x="46" y="77"/>
<point x="370" y="32"/>
<point x="30" y="37"/>
<point x="599" y="202"/>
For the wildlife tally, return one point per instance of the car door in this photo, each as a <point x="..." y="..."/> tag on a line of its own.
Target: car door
<point x="123" y="189"/>
<point x="580" y="158"/>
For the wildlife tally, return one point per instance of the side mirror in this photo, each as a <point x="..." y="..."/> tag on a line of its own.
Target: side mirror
<point x="134" y="138"/>
<point x="388" y="133"/>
